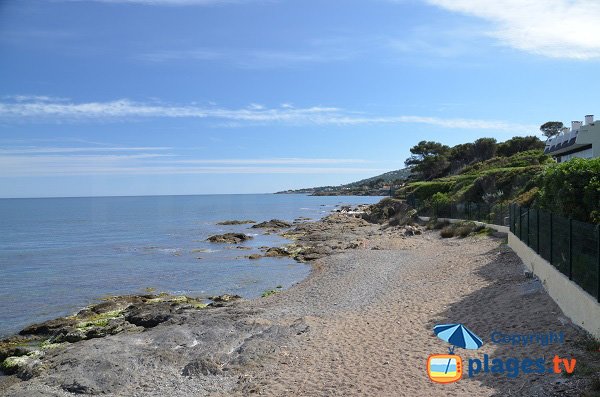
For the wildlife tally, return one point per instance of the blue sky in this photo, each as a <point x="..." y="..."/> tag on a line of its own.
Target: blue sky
<point x="135" y="97"/>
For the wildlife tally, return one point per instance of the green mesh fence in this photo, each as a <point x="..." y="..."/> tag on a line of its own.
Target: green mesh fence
<point x="571" y="246"/>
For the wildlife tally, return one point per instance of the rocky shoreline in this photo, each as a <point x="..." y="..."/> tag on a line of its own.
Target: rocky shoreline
<point x="163" y="345"/>
<point x="34" y="352"/>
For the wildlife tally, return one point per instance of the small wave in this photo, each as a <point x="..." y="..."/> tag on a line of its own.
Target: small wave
<point x="206" y="250"/>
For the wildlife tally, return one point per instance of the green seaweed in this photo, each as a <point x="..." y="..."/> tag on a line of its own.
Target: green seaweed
<point x="269" y="293"/>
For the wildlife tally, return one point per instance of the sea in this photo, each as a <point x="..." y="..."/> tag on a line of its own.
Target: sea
<point x="58" y="255"/>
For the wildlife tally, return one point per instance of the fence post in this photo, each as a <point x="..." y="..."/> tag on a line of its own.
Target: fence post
<point x="598" y="260"/>
<point x="537" y="228"/>
<point x="570" y="249"/>
<point x="520" y="225"/>
<point x="528" y="228"/>
<point x="551" y="240"/>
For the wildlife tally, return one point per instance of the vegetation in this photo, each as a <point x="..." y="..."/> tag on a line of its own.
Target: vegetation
<point x="379" y="185"/>
<point x="551" y="128"/>
<point x="461" y="229"/>
<point x="430" y="160"/>
<point x="518" y="173"/>
<point x="572" y="189"/>
<point x="269" y="293"/>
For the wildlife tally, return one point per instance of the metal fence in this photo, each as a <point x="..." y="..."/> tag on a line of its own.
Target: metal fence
<point x="496" y="214"/>
<point x="573" y="247"/>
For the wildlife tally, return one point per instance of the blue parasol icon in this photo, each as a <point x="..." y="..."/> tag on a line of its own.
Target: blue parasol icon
<point x="458" y="336"/>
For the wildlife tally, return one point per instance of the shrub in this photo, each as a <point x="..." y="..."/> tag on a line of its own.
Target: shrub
<point x="461" y="229"/>
<point x="435" y="224"/>
<point x="572" y="189"/>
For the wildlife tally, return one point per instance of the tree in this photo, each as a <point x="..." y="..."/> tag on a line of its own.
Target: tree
<point x="551" y="128"/>
<point x="519" y="144"/>
<point x="429" y="159"/>
<point x="485" y="148"/>
<point x="461" y="155"/>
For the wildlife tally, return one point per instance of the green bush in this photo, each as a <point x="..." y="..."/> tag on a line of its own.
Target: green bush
<point x="461" y="229"/>
<point x="424" y="190"/>
<point x="572" y="189"/>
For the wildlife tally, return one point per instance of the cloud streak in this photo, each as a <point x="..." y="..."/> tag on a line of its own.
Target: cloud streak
<point x="252" y="59"/>
<point x="124" y="109"/>
<point x="174" y="2"/>
<point x="552" y="28"/>
<point x="158" y="164"/>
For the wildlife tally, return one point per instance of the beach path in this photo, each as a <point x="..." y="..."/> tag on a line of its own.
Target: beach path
<point x="371" y="312"/>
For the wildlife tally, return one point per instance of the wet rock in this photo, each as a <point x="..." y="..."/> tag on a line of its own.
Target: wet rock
<point x="254" y="256"/>
<point x="236" y="222"/>
<point x="229" y="238"/>
<point x="49" y="327"/>
<point x="225" y="298"/>
<point x="272" y="224"/>
<point x="276" y="252"/>
<point x="239" y="247"/>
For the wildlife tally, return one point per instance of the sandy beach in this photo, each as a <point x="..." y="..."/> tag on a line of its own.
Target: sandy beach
<point x="359" y="325"/>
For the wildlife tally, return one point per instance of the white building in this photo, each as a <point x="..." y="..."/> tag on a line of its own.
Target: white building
<point x="579" y="141"/>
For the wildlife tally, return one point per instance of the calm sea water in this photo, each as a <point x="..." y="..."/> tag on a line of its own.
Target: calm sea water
<point x="57" y="255"/>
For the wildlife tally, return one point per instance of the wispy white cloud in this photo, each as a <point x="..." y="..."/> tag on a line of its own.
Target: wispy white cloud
<point x="35" y="98"/>
<point x="254" y="58"/>
<point x="12" y="165"/>
<point x="289" y="161"/>
<point x="47" y="150"/>
<point x="174" y="2"/>
<point x="316" y="115"/>
<point x="552" y="28"/>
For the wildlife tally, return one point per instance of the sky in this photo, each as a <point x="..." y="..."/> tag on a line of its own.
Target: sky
<point x="143" y="97"/>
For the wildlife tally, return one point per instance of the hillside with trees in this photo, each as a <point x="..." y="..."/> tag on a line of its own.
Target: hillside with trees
<point x="496" y="174"/>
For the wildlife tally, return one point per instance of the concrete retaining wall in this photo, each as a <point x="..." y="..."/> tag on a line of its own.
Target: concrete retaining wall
<point x="578" y="305"/>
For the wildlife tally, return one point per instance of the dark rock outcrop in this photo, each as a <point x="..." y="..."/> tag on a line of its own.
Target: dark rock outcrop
<point x="149" y="315"/>
<point x="229" y="238"/>
<point x="236" y="222"/>
<point x="272" y="224"/>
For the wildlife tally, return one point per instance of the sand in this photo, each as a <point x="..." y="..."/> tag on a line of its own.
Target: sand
<point x="372" y="313"/>
<point x="359" y="325"/>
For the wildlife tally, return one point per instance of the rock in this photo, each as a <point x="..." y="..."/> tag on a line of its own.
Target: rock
<point x="272" y="224"/>
<point x="201" y="367"/>
<point x="395" y="212"/>
<point x="254" y="256"/>
<point x="229" y="238"/>
<point x="411" y="230"/>
<point x="235" y="222"/>
<point x="276" y="252"/>
<point x="25" y="367"/>
<point x="314" y="253"/>
<point x="49" y="327"/>
<point x="77" y="387"/>
<point x="149" y="315"/>
<point x="225" y="298"/>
